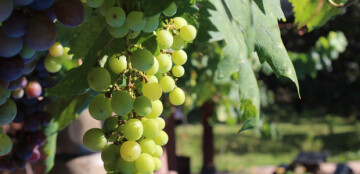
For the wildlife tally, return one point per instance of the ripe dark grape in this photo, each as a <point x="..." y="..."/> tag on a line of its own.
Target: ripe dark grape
<point x="28" y="68"/>
<point x="28" y="110"/>
<point x="15" y="84"/>
<point x="24" y="150"/>
<point x="41" y="33"/>
<point x="11" y="68"/>
<point x="41" y="5"/>
<point x="33" y="89"/>
<point x="38" y="137"/>
<point x="70" y="13"/>
<point x="14" y="26"/>
<point x="19" y="117"/>
<point x="32" y="122"/>
<point x="6" y="7"/>
<point x="23" y="2"/>
<point x="9" y="46"/>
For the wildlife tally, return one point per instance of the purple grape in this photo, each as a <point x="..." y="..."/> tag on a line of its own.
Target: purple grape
<point x="11" y="68"/>
<point x="9" y="46"/>
<point x="6" y="8"/>
<point x="24" y="150"/>
<point x="29" y="110"/>
<point x="35" y="156"/>
<point x="32" y="122"/>
<point x="29" y="101"/>
<point x="29" y="68"/>
<point x="50" y="13"/>
<point x="40" y="64"/>
<point x="14" y="26"/>
<point x="19" y="117"/>
<point x="15" y="84"/>
<point x="41" y="5"/>
<point x="37" y="137"/>
<point x="23" y="2"/>
<point x="41" y="33"/>
<point x="42" y="73"/>
<point x="70" y="13"/>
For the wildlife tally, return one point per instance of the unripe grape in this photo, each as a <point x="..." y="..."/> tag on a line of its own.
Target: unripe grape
<point x="115" y="16"/>
<point x="56" y="49"/>
<point x="165" y="63"/>
<point x="133" y="129"/>
<point x="188" y="32"/>
<point x="133" y="34"/>
<point x="117" y="63"/>
<point x="157" y="108"/>
<point x="52" y="64"/>
<point x="5" y="145"/>
<point x="130" y="151"/>
<point x="66" y="56"/>
<point x="145" y="163"/>
<point x="167" y="83"/>
<point x="121" y="103"/>
<point x="27" y="52"/>
<point x="154" y="69"/>
<point x="152" y="79"/>
<point x="151" y="128"/>
<point x="8" y="112"/>
<point x="152" y="23"/>
<point x="147" y="146"/>
<point x="170" y="10"/>
<point x="158" y="151"/>
<point x="18" y="93"/>
<point x="178" y="43"/>
<point x="164" y="39"/>
<point x="179" y="57"/>
<point x="94" y="139"/>
<point x="118" y="32"/>
<point x="179" y="22"/>
<point x="33" y="89"/>
<point x="4" y="94"/>
<point x="161" y="139"/>
<point x="98" y="78"/>
<point x="152" y="91"/>
<point x="106" y="6"/>
<point x="158" y="163"/>
<point x="142" y="60"/>
<point x="110" y="167"/>
<point x="110" y="153"/>
<point x="177" y="96"/>
<point x="161" y="122"/>
<point x="135" y="20"/>
<point x="125" y="167"/>
<point x="142" y="105"/>
<point x="110" y="124"/>
<point x="178" y="71"/>
<point x="100" y="107"/>
<point x="94" y="3"/>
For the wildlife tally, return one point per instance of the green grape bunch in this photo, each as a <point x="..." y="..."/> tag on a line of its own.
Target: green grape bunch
<point x="132" y="135"/>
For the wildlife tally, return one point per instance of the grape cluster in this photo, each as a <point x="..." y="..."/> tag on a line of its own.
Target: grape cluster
<point x="132" y="134"/>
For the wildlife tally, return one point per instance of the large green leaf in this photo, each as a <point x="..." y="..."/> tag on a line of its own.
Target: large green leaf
<point x="51" y="132"/>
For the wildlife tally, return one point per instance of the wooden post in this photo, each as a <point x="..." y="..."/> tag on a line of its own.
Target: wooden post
<point x="207" y="111"/>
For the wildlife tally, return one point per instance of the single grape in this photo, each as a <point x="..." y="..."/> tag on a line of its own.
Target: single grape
<point x="165" y="63"/>
<point x="66" y="56"/>
<point x="4" y="94"/>
<point x="27" y="52"/>
<point x="170" y="10"/>
<point x="117" y="63"/>
<point x="94" y="3"/>
<point x="188" y="32"/>
<point x="8" y="112"/>
<point x="115" y="16"/>
<point x="130" y="151"/>
<point x="70" y="13"/>
<point x="161" y="122"/>
<point x="94" y="139"/>
<point x="157" y="108"/>
<point x="179" y="57"/>
<point x="135" y="20"/>
<point x="133" y="129"/>
<point x="52" y="64"/>
<point x="152" y="23"/>
<point x="110" y="124"/>
<point x="178" y="43"/>
<point x="121" y="103"/>
<point x="125" y="167"/>
<point x="177" y="97"/>
<point x="6" y="8"/>
<point x="15" y="25"/>
<point x="133" y="34"/>
<point x="5" y="145"/>
<point x="165" y="39"/>
<point x="161" y="139"/>
<point x="145" y="163"/>
<point x="142" y="59"/>
<point x="147" y="146"/>
<point x="142" y="105"/>
<point x="158" y="151"/>
<point x="33" y="89"/>
<point x="106" y="6"/>
<point x="110" y="153"/>
<point x="11" y="68"/>
<point x="167" y="83"/>
<point x="158" y="163"/>
<point x="178" y="22"/>
<point x="152" y="79"/>
<point x="152" y="91"/>
<point x="100" y="107"/>
<point x="30" y="59"/>
<point x="151" y="128"/>
<point x="98" y="78"/>
<point x="118" y="32"/>
<point x="9" y="46"/>
<point x="154" y="69"/>
<point x="41" y="5"/>
<point x="56" y="49"/>
<point x="178" y="71"/>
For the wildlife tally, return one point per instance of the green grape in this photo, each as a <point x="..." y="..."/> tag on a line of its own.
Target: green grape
<point x="188" y="32"/>
<point x="135" y="20"/>
<point x="161" y="122"/>
<point x="110" y="153"/>
<point x="94" y="139"/>
<point x="118" y="32"/>
<point x="158" y="151"/>
<point x="106" y="6"/>
<point x="145" y="163"/>
<point x="158" y="163"/>
<point x="113" y="137"/>
<point x="157" y="108"/>
<point x="110" y="167"/>
<point x="151" y="128"/>
<point x="147" y="146"/>
<point x="110" y="124"/>
<point x="178" y="43"/>
<point x="179" y="22"/>
<point x="170" y="10"/>
<point x="98" y="78"/>
<point x="152" y="79"/>
<point x="133" y="129"/>
<point x="178" y="71"/>
<point x="177" y="96"/>
<point x="142" y="60"/>
<point x="56" y="49"/>
<point x="179" y="57"/>
<point x="133" y="34"/>
<point x="115" y="16"/>
<point x="5" y="145"/>
<point x="165" y="63"/>
<point x="27" y="52"/>
<point x="52" y="64"/>
<point x="100" y="107"/>
<point x="165" y="39"/>
<point x="167" y="83"/>
<point x="4" y="94"/>
<point x="154" y="69"/>
<point x="161" y="139"/>
<point x="117" y="63"/>
<point x="121" y="103"/>
<point x="125" y="167"/>
<point x="66" y="56"/>
<point x="94" y="3"/>
<point x="8" y="112"/>
<point x="152" y="91"/>
<point x="130" y="151"/>
<point x="142" y="105"/>
<point x="152" y="23"/>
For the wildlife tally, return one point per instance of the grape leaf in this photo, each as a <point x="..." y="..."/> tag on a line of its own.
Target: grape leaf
<point x="51" y="132"/>
<point x="155" y="6"/>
